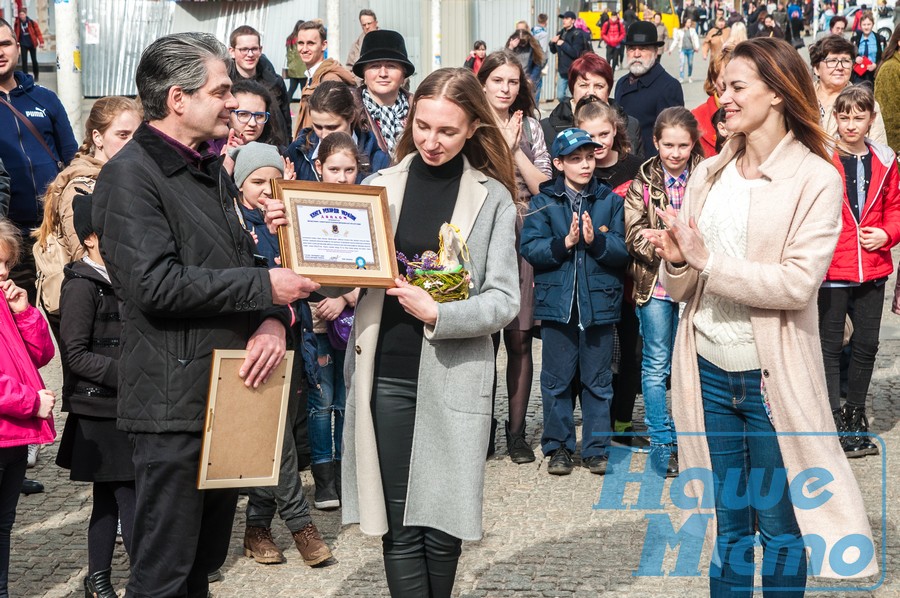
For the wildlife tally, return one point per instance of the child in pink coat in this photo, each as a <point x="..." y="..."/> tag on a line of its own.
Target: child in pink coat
<point x="25" y="406"/>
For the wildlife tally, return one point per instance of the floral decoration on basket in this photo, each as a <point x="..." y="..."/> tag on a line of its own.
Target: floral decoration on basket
<point x="441" y="274"/>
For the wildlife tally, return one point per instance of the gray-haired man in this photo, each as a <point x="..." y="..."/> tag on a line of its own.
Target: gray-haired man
<point x="183" y="269"/>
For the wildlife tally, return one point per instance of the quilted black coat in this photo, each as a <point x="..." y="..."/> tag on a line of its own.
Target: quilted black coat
<point x="183" y="269"/>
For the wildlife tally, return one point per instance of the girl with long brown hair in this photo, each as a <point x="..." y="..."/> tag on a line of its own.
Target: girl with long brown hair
<point x="420" y="372"/>
<point x="109" y="126"/>
<point x="747" y="253"/>
<point x="508" y="91"/>
<point x="660" y="183"/>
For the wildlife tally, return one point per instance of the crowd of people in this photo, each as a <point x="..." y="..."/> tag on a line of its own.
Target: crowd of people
<point x="737" y="253"/>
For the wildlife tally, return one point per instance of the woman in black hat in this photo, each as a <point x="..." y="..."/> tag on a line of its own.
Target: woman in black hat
<point x="383" y="66"/>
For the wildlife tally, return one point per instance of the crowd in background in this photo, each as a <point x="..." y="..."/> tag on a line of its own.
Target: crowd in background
<point x="648" y="246"/>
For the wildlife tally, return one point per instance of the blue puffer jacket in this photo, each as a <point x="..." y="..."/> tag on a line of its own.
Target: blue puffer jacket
<point x="596" y="270"/>
<point x="371" y="157"/>
<point x="29" y="166"/>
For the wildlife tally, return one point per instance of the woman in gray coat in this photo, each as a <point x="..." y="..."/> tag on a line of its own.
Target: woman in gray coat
<point x="420" y="373"/>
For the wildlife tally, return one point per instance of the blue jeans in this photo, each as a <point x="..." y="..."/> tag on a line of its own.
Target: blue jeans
<point x="732" y="407"/>
<point x="566" y="348"/>
<point x="686" y="56"/>
<point x="562" y="89"/>
<point x="659" y="321"/>
<point x="12" y="474"/>
<point x="330" y="398"/>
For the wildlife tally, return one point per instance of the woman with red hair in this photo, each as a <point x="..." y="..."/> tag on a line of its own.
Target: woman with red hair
<point x="589" y="75"/>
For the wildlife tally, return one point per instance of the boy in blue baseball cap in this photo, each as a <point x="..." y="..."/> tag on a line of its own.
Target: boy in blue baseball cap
<point x="574" y="236"/>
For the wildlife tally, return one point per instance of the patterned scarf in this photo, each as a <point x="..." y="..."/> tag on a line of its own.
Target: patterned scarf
<point x="390" y="119"/>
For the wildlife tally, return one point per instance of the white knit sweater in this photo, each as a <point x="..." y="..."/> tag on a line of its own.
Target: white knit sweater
<point x="724" y="335"/>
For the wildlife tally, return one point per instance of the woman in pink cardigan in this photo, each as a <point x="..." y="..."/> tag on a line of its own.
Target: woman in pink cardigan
<point x="25" y="406"/>
<point x="747" y="253"/>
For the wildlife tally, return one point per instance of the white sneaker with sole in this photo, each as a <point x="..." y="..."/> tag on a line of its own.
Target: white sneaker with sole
<point x="33" y="450"/>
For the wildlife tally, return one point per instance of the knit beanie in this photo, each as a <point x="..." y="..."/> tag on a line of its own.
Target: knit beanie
<point x="253" y="156"/>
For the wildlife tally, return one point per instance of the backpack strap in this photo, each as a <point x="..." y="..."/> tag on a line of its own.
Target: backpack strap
<point x="30" y="126"/>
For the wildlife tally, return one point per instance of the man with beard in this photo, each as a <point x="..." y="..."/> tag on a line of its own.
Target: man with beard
<point x="647" y="89"/>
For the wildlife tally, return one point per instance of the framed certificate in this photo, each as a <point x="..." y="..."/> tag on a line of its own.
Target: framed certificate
<point x="337" y="235"/>
<point x="245" y="427"/>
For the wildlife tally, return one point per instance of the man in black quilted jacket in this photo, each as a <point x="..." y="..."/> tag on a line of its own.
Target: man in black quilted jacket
<point x="184" y="271"/>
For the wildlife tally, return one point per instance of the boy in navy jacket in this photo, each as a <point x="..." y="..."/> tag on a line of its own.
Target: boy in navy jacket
<point x="574" y="236"/>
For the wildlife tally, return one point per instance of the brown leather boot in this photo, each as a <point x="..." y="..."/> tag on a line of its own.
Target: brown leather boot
<point x="311" y="545"/>
<point x="258" y="543"/>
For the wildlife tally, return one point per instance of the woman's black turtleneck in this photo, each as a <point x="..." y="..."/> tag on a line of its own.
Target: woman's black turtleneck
<point x="428" y="202"/>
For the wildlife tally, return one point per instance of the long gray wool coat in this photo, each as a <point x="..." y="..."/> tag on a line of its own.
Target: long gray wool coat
<point x="453" y="408"/>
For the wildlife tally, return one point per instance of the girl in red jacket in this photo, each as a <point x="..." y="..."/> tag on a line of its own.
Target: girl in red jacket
<point x="855" y="282"/>
<point x="25" y="406"/>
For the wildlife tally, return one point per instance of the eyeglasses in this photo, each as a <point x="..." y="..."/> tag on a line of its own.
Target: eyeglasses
<point x="833" y="63"/>
<point x="244" y="116"/>
<point x="248" y="51"/>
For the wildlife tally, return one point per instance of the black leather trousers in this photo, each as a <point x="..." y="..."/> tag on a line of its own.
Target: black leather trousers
<point x="419" y="562"/>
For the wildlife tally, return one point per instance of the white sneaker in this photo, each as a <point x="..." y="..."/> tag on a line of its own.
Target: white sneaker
<point x="690" y="80"/>
<point x="33" y="450"/>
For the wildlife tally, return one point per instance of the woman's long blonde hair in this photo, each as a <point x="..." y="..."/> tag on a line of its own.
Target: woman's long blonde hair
<point x="103" y="113"/>
<point x="487" y="150"/>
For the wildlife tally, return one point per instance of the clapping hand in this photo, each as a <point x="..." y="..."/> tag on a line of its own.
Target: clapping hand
<point x="680" y="242"/>
<point x="587" y="225"/>
<point x="512" y="132"/>
<point x="574" y="232"/>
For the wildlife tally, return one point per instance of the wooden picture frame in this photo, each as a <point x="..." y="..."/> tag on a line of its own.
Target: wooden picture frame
<point x="337" y="235"/>
<point x="245" y="427"/>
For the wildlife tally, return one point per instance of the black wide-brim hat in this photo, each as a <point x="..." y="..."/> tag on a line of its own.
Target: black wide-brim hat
<point x="642" y="33"/>
<point x="383" y="45"/>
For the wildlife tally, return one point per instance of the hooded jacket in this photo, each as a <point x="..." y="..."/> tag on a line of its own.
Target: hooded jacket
<point x="29" y="165"/>
<point x="90" y="329"/>
<point x="79" y="176"/>
<point x="591" y="274"/>
<point x="304" y="339"/>
<point x="328" y="70"/>
<point x="563" y="118"/>
<point x="25" y="345"/>
<point x="371" y="157"/>
<point x="881" y="210"/>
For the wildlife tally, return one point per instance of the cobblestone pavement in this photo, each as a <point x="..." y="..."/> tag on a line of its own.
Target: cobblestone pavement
<point x="542" y="537"/>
